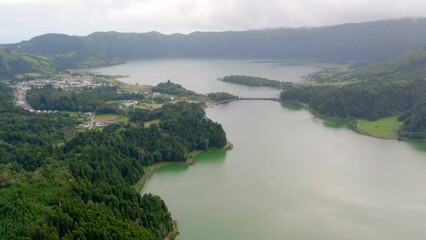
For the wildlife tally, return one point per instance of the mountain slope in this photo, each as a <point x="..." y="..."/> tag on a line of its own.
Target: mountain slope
<point x="17" y="65"/>
<point x="408" y="67"/>
<point x="374" y="41"/>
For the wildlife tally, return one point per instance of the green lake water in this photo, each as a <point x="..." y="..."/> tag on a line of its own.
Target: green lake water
<point x="290" y="174"/>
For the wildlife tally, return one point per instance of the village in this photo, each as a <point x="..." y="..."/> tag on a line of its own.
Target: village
<point x="63" y="83"/>
<point x="89" y="119"/>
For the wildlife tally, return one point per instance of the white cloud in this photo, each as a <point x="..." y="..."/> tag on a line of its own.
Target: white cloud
<point x="13" y="1"/>
<point x="22" y="19"/>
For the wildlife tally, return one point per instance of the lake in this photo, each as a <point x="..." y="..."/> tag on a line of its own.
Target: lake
<point x="290" y="175"/>
<point x="201" y="75"/>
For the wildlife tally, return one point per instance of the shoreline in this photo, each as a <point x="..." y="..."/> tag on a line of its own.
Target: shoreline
<point x="188" y="162"/>
<point x="351" y="124"/>
<point x="358" y="130"/>
<point x="151" y="169"/>
<point x="174" y="233"/>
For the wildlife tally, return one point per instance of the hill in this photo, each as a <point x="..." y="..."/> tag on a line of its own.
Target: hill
<point x="393" y="88"/>
<point x="407" y="67"/>
<point x="14" y="65"/>
<point x="372" y="41"/>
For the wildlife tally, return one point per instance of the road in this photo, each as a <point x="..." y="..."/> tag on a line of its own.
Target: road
<point x="92" y="120"/>
<point x="21" y="97"/>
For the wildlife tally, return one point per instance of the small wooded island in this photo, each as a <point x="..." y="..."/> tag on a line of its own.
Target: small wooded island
<point x="253" y="81"/>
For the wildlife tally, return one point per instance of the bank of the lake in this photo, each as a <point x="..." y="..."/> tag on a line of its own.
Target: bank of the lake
<point x="151" y="169"/>
<point x="291" y="174"/>
<point x="385" y="128"/>
<point x="190" y="161"/>
<point x="298" y="177"/>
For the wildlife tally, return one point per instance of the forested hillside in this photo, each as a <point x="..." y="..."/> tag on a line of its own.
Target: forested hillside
<point x="408" y="67"/>
<point x="373" y="41"/>
<point x="56" y="183"/>
<point x="15" y="65"/>
<point x="396" y="87"/>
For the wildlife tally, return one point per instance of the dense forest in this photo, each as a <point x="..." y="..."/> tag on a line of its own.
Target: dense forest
<point x="220" y="96"/>
<point x="82" y="187"/>
<point x="359" y="100"/>
<point x="21" y="133"/>
<point x="172" y="89"/>
<point x="253" y="81"/>
<point x="414" y="122"/>
<point x="179" y="91"/>
<point x="374" y="41"/>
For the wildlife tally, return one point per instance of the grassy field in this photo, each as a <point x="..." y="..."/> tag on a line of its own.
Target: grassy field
<point x="149" y="123"/>
<point x="110" y="117"/>
<point x="382" y="128"/>
<point x="149" y="106"/>
<point x="123" y="119"/>
<point x="106" y="117"/>
<point x="130" y="88"/>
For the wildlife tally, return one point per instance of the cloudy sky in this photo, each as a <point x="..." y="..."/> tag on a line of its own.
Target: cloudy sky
<point x="23" y="19"/>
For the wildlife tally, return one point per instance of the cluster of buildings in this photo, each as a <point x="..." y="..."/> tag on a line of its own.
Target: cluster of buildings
<point x="68" y="82"/>
<point x="96" y="124"/>
<point x="21" y="97"/>
<point x="21" y="89"/>
<point x="92" y="123"/>
<point x="103" y="124"/>
<point x="128" y="104"/>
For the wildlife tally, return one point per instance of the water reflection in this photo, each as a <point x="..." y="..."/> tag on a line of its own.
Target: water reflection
<point x="417" y="145"/>
<point x="334" y="123"/>
<point x="292" y="106"/>
<point x="173" y="168"/>
<point x="211" y="157"/>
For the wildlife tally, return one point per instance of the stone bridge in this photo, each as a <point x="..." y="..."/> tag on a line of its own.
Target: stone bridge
<point x="248" y="99"/>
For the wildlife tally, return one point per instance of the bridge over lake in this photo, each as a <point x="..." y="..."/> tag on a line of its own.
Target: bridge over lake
<point x="249" y="99"/>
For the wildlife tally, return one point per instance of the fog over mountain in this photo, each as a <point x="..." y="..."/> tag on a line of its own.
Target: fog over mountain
<point x="23" y="19"/>
<point x="371" y="41"/>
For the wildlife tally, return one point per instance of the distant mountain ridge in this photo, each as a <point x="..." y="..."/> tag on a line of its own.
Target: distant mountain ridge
<point x="372" y="41"/>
